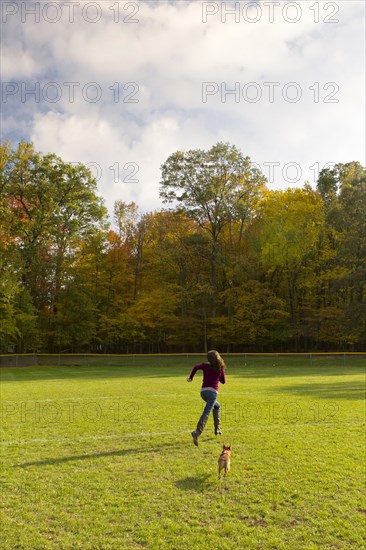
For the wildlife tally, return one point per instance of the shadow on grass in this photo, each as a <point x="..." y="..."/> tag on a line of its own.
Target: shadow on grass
<point x="193" y="483"/>
<point x="280" y="371"/>
<point x="93" y="456"/>
<point x="38" y="374"/>
<point x="90" y="372"/>
<point x="170" y="367"/>
<point x="334" y="390"/>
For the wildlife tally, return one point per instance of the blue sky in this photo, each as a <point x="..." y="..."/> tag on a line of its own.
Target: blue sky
<point x="122" y="85"/>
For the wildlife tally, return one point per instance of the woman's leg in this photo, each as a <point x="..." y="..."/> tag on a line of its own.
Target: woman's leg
<point x="216" y="417"/>
<point x="210" y="397"/>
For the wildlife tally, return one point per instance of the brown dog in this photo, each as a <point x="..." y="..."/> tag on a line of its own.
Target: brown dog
<point x="224" y="460"/>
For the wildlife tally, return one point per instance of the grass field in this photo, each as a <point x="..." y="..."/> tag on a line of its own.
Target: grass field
<point x="101" y="457"/>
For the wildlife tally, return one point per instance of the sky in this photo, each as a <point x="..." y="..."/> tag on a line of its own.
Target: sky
<point x="121" y="85"/>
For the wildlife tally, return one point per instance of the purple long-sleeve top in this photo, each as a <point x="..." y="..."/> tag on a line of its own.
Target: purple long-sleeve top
<point x="211" y="378"/>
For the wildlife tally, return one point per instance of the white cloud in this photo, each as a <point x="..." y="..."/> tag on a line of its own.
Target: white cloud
<point x="163" y="60"/>
<point x="16" y="63"/>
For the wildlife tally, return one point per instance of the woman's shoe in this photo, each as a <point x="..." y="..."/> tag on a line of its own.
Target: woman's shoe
<point x="195" y="437"/>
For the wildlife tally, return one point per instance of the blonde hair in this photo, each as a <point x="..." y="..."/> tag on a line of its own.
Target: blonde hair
<point x="215" y="360"/>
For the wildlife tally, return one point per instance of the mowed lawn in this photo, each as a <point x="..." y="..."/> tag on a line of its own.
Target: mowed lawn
<point x="101" y="457"/>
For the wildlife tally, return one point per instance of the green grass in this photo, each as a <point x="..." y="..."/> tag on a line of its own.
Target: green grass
<point x="101" y="457"/>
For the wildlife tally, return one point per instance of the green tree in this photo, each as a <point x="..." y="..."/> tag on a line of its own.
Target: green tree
<point x="52" y="206"/>
<point x="214" y="188"/>
<point x="258" y="320"/>
<point x="346" y="239"/>
<point x="17" y="316"/>
<point x="291" y="225"/>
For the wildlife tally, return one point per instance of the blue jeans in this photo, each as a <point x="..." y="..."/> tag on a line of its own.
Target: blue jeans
<point x="210" y="396"/>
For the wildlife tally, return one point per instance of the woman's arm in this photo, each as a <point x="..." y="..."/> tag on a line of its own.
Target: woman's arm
<point x="194" y="370"/>
<point x="222" y="376"/>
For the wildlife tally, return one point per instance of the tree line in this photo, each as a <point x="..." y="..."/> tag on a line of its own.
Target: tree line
<point x="227" y="263"/>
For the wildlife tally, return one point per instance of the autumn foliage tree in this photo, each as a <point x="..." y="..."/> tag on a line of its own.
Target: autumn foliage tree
<point x="228" y="264"/>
